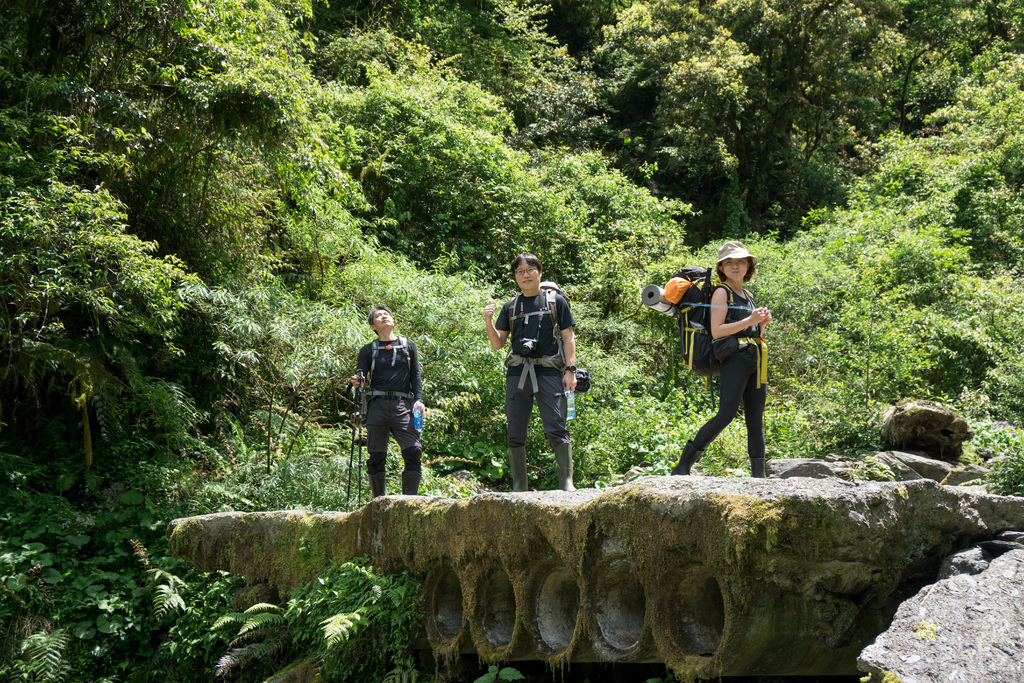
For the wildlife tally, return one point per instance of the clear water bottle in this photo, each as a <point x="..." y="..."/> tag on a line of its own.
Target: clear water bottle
<point x="570" y="405"/>
<point x="417" y="419"/>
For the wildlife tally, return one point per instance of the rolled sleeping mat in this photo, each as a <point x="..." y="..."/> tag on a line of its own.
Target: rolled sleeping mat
<point x="653" y="297"/>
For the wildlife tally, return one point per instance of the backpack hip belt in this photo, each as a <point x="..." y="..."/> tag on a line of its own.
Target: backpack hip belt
<point x="375" y="393"/>
<point x="514" y="359"/>
<point x="762" y="356"/>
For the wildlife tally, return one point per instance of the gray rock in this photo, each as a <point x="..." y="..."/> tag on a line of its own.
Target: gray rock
<point x="937" y="470"/>
<point x="971" y="561"/>
<point x="788" y="468"/>
<point x="1015" y="536"/>
<point x="968" y="629"/>
<point x="927" y="426"/>
<point x="901" y="470"/>
<point x="997" y="547"/>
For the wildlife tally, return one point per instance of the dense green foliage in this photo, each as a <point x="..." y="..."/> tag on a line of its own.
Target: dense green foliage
<point x="355" y="622"/>
<point x="200" y="201"/>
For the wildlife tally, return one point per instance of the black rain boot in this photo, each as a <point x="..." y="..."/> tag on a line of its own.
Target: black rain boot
<point x="377" y="484"/>
<point x="757" y="468"/>
<point x="517" y="463"/>
<point x="411" y="483"/>
<point x="563" y="458"/>
<point x="687" y="460"/>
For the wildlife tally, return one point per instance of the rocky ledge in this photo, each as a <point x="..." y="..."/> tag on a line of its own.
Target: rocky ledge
<point x="714" y="577"/>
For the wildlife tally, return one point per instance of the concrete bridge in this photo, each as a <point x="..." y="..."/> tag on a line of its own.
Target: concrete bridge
<point x="713" y="577"/>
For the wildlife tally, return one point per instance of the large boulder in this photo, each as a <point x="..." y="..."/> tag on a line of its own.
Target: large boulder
<point x="714" y="577"/>
<point x="966" y="629"/>
<point x="926" y="426"/>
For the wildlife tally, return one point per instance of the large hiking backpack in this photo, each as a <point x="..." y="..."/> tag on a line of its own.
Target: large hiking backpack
<point x="692" y="309"/>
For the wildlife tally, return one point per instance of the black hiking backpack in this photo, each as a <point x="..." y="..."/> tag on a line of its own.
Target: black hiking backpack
<point x="693" y="312"/>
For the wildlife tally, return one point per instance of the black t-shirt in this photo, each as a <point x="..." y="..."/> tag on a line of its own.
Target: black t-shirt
<point x="740" y="306"/>
<point x="537" y="327"/>
<point x="397" y="367"/>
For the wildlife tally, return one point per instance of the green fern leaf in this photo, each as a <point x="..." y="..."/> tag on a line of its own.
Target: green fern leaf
<point x="339" y="628"/>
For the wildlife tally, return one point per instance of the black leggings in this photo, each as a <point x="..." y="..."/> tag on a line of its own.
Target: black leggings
<point x="738" y="381"/>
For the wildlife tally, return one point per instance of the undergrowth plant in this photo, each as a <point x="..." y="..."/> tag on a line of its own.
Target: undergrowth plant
<point x="1005" y="444"/>
<point x="79" y="590"/>
<point x="353" y="619"/>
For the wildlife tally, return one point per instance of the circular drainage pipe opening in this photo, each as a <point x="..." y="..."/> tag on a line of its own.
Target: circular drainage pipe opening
<point x="697" y="613"/>
<point x="619" y="605"/>
<point x="497" y="607"/>
<point x="558" y="606"/>
<point x="446" y="603"/>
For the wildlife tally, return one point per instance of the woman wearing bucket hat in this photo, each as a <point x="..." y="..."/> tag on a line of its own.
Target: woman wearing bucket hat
<point x="737" y="326"/>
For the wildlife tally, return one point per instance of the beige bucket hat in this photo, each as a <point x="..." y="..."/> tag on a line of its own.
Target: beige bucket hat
<point x="734" y="250"/>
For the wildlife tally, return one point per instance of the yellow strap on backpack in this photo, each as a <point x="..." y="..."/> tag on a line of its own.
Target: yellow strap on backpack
<point x="762" y="357"/>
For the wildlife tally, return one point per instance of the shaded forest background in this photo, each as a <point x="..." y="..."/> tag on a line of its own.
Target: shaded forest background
<point x="199" y="201"/>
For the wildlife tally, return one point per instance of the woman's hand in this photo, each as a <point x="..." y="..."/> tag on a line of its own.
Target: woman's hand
<point x="760" y="316"/>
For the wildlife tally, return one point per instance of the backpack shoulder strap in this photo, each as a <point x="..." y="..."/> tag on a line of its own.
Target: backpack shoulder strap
<point x="551" y="296"/>
<point x="373" y="360"/>
<point x="403" y="344"/>
<point x="399" y="343"/>
<point x="513" y="316"/>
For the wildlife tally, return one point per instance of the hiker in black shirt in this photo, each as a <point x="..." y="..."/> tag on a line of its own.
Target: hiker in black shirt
<point x="541" y="365"/>
<point x="744" y="374"/>
<point x="392" y="391"/>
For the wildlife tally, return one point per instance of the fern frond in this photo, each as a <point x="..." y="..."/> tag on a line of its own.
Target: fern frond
<point x="229" y="494"/>
<point x="229" y="619"/>
<point x="65" y="481"/>
<point x="167" y="600"/>
<point x="400" y="676"/>
<point x="241" y="656"/>
<point x="263" y="607"/>
<point x="92" y="480"/>
<point x="159" y="575"/>
<point x="340" y="627"/>
<point x="45" y="654"/>
<point x="231" y="660"/>
<point x="261" y="620"/>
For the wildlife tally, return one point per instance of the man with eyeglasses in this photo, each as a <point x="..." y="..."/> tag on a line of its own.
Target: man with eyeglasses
<point x="541" y="365"/>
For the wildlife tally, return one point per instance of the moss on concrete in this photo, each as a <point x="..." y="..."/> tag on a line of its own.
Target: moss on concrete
<point x="717" y="577"/>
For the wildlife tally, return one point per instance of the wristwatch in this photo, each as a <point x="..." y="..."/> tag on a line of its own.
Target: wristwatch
<point x="570" y="368"/>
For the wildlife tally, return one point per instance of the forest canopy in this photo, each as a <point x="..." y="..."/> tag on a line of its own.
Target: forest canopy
<point x="200" y="201"/>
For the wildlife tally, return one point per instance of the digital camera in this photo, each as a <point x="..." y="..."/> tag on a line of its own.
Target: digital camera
<point x="527" y="346"/>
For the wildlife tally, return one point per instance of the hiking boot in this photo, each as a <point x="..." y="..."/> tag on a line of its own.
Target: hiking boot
<point x="411" y="483"/>
<point x="377" y="484"/>
<point x="517" y="463"/>
<point x="689" y="457"/>
<point x="757" y="468"/>
<point x="563" y="458"/>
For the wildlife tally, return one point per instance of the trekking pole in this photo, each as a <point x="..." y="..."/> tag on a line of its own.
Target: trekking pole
<point x="351" y="457"/>
<point x="357" y="429"/>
